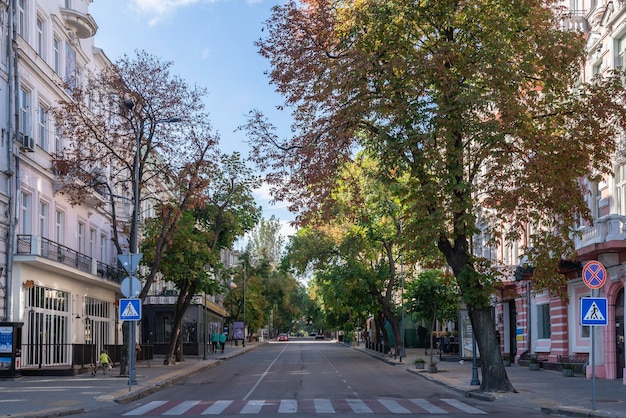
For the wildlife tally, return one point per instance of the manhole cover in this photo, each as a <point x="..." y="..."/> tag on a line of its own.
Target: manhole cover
<point x="608" y="401"/>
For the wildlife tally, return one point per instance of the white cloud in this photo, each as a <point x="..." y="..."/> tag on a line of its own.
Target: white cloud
<point x="263" y="193"/>
<point x="157" y="9"/>
<point x="205" y="53"/>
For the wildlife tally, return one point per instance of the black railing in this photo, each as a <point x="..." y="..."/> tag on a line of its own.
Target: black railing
<point x="52" y="250"/>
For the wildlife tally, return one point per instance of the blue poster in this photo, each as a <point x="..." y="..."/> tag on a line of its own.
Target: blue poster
<point x="6" y="339"/>
<point x="238" y="332"/>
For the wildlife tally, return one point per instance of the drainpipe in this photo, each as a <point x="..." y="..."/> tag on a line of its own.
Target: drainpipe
<point x="12" y="117"/>
<point x="528" y="318"/>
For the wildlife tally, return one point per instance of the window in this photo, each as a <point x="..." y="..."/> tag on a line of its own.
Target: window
<point x="56" y="45"/>
<point x="41" y="38"/>
<point x="58" y="140"/>
<point x="620" y="184"/>
<point x="81" y="237"/>
<point x="103" y="248"/>
<point x="92" y="242"/>
<point x="21" y="18"/>
<point x="43" y="131"/>
<point x="543" y="321"/>
<point x="24" y="99"/>
<point x="43" y="219"/>
<point x="620" y="44"/>
<point x="59" y="227"/>
<point x="25" y="214"/>
<point x="70" y="63"/>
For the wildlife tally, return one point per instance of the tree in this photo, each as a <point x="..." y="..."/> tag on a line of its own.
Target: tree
<point x="433" y="296"/>
<point x="472" y="101"/>
<point x="192" y="259"/>
<point x="266" y="242"/>
<point x="271" y="291"/>
<point x="105" y="115"/>
<point x="354" y="251"/>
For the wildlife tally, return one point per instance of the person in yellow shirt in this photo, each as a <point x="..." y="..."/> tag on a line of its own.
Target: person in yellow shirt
<point x="105" y="361"/>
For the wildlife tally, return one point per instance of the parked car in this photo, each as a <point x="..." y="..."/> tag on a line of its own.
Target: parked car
<point x="319" y="337"/>
<point x="283" y="337"/>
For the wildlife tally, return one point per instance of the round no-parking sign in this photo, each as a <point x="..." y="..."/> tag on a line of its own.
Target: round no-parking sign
<point x="594" y="275"/>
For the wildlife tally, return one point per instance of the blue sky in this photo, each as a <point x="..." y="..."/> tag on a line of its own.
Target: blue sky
<point x="211" y="43"/>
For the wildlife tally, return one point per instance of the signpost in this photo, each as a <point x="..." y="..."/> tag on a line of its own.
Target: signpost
<point x="594" y="275"/>
<point x="593" y="312"/>
<point x="131" y="311"/>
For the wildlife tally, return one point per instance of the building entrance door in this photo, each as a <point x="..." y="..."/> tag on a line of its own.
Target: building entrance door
<point x="619" y="330"/>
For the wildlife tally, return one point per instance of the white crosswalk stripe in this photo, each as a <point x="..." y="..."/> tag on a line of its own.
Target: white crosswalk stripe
<point x="181" y="408"/>
<point x="217" y="408"/>
<point x="424" y="404"/>
<point x="252" y="407"/>
<point x="463" y="407"/>
<point x="146" y="408"/>
<point x="394" y="407"/>
<point x="324" y="406"/>
<point x="316" y="406"/>
<point x="288" y="406"/>
<point x="359" y="407"/>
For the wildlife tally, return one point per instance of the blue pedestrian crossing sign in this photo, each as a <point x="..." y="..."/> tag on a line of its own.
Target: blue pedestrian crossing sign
<point x="593" y="311"/>
<point x="130" y="309"/>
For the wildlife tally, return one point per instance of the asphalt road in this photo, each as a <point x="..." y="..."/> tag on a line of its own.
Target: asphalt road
<point x="304" y="377"/>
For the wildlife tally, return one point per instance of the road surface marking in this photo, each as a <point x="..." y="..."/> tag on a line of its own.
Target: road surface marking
<point x="146" y="408"/>
<point x="288" y="406"/>
<point x="323" y="406"/>
<point x="463" y="407"/>
<point x="359" y="407"/>
<point x="424" y="404"/>
<point x="216" y="408"/>
<point x="394" y="407"/>
<point x="181" y="408"/>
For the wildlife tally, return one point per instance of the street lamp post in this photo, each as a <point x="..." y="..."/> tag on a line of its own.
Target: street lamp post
<point x="134" y="240"/>
<point x="245" y="279"/>
<point x="204" y="326"/>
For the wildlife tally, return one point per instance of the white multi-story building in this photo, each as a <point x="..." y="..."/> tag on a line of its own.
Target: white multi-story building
<point x="58" y="282"/>
<point x="545" y="324"/>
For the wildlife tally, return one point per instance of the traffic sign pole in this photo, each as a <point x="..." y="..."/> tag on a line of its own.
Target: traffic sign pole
<point x="593" y="362"/>
<point x="594" y="275"/>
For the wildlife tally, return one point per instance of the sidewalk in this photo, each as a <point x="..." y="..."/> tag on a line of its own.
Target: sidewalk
<point x="548" y="390"/>
<point x="43" y="397"/>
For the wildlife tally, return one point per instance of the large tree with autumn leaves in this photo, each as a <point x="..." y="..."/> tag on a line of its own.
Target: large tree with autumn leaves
<point x="478" y="102"/>
<point x="135" y="129"/>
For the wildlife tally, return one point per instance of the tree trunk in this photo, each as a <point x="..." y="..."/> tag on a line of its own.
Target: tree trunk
<point x="124" y="369"/>
<point x="175" y="350"/>
<point x="494" y="376"/>
<point x="395" y="329"/>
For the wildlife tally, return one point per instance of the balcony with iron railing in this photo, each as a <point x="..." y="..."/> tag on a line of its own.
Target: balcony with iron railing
<point x="35" y="245"/>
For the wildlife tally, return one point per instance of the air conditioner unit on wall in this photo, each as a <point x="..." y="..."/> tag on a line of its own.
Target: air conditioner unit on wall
<point x="27" y="142"/>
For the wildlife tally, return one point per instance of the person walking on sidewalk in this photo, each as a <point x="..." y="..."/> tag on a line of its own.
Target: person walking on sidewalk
<point x="222" y="340"/>
<point x="214" y="341"/>
<point x="105" y="361"/>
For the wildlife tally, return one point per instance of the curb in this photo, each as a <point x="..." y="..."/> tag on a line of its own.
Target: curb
<point x="576" y="412"/>
<point x="158" y="384"/>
